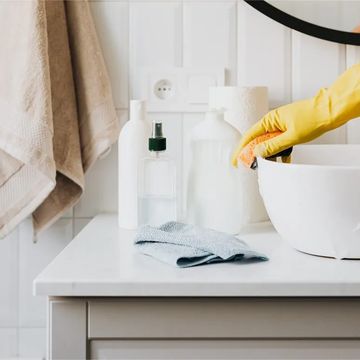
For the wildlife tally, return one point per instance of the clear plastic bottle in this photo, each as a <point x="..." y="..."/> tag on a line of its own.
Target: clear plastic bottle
<point x="219" y="196"/>
<point x="157" y="201"/>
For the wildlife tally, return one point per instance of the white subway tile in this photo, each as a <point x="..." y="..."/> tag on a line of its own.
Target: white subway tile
<point x="264" y="54"/>
<point x="8" y="343"/>
<point x="111" y="21"/>
<point x="155" y="38"/>
<point x="9" y="280"/>
<point x="32" y="343"/>
<point x="33" y="258"/>
<point x="100" y="194"/>
<point x="155" y="33"/>
<point x="210" y="36"/>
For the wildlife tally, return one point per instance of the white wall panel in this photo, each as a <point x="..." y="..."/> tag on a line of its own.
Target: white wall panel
<point x="8" y="343"/>
<point x="32" y="343"/>
<point x="33" y="257"/>
<point x="210" y="36"/>
<point x="155" y="37"/>
<point x="353" y="127"/>
<point x="100" y="194"/>
<point x="352" y="55"/>
<point x="263" y="54"/>
<point x="316" y="64"/>
<point x="111" y="21"/>
<point x="9" y="281"/>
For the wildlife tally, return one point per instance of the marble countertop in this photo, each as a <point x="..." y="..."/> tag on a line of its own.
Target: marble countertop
<point x="101" y="261"/>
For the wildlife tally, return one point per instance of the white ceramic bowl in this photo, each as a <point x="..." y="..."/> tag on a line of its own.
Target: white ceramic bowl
<point x="314" y="202"/>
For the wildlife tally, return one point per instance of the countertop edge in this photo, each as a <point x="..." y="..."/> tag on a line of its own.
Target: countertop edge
<point x="195" y="290"/>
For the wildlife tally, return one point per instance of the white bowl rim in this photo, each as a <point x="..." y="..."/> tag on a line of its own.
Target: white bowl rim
<point x="315" y="166"/>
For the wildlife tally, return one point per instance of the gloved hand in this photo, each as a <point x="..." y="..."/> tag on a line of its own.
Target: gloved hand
<point x="305" y="120"/>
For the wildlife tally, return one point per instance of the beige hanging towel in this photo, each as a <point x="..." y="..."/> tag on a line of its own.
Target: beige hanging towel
<point x="56" y="110"/>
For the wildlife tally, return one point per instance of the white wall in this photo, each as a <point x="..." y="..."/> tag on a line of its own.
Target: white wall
<point x="253" y="49"/>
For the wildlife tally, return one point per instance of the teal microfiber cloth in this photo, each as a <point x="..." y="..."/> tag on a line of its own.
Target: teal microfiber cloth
<point x="184" y="245"/>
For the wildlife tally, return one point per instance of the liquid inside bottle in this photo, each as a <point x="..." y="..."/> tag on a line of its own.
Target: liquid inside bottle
<point x="157" y="184"/>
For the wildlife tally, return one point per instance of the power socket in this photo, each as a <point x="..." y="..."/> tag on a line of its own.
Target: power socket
<point x="164" y="89"/>
<point x="176" y="89"/>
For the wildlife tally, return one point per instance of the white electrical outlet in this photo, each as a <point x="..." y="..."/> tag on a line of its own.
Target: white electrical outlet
<point x="176" y="89"/>
<point x="164" y="89"/>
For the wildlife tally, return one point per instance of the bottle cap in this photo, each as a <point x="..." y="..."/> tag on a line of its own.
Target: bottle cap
<point x="157" y="142"/>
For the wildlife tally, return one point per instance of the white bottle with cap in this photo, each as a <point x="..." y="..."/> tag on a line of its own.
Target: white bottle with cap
<point x="132" y="148"/>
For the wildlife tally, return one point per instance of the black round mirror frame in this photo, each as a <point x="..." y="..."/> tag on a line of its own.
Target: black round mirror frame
<point x="305" y="27"/>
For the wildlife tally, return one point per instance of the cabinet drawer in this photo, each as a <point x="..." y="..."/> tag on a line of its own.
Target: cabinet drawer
<point x="224" y="349"/>
<point x="224" y="318"/>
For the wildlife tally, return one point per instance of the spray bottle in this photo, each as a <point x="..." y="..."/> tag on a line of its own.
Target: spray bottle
<point x="157" y="182"/>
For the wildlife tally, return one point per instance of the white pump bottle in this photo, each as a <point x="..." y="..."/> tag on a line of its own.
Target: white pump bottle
<point x="132" y="148"/>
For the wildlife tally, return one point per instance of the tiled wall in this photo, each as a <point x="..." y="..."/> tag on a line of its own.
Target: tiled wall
<point x="253" y="49"/>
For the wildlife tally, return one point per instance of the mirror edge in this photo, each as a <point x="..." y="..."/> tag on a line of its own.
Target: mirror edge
<point x="305" y="27"/>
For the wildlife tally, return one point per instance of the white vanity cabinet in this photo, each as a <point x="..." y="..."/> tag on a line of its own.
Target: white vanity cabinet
<point x="205" y="328"/>
<point x="225" y="349"/>
<point x="108" y="302"/>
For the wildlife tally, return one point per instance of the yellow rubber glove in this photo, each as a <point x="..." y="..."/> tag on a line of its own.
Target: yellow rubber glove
<point x="305" y="120"/>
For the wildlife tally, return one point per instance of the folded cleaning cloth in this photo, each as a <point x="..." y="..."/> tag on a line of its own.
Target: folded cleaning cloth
<point x="56" y="108"/>
<point x="185" y="245"/>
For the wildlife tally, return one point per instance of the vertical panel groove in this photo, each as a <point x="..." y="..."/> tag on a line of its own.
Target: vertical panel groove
<point x="263" y="50"/>
<point x="290" y="68"/>
<point x="236" y="51"/>
<point x="353" y="127"/>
